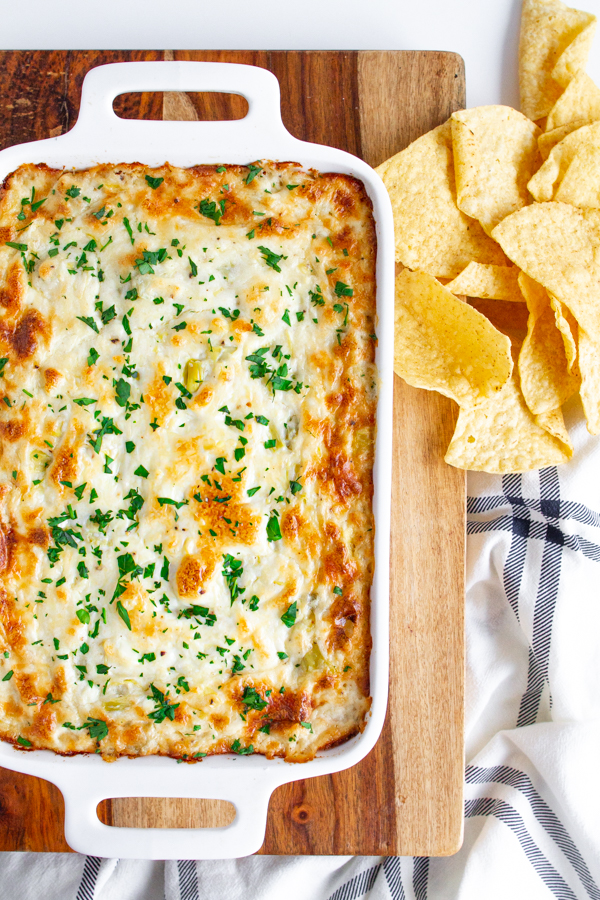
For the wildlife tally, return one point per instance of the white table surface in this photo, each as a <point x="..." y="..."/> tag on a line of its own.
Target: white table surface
<point x="484" y="32"/>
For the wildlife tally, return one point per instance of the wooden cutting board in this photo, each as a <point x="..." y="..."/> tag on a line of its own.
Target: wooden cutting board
<point x="405" y="798"/>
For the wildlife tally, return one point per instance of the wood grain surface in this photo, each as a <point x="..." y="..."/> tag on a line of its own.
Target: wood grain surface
<point x="405" y="798"/>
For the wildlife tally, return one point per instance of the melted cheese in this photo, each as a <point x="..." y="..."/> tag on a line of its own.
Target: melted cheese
<point x="187" y="429"/>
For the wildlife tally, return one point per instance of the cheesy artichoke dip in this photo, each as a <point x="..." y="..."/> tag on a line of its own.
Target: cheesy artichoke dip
<point x="187" y="425"/>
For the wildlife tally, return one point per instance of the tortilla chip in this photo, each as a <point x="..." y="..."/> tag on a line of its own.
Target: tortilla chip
<point x="546" y="381"/>
<point x="589" y="364"/>
<point x="501" y="435"/>
<point x="554" y="45"/>
<point x="442" y="344"/>
<point x="544" y="184"/>
<point x="581" y="182"/>
<point x="432" y="234"/>
<point x="556" y="245"/>
<point x="554" y="423"/>
<point x="549" y="140"/>
<point x="488" y="282"/>
<point x="580" y="101"/>
<point x="508" y="317"/>
<point x="566" y="324"/>
<point x="495" y="155"/>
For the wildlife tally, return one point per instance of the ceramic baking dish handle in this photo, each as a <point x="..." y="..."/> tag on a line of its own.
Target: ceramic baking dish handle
<point x="85" y="833"/>
<point x="102" y="84"/>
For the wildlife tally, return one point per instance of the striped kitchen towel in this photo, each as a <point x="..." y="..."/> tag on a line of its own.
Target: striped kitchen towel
<point x="532" y="780"/>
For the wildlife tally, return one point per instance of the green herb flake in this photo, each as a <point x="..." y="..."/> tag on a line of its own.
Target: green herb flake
<point x="154" y="182"/>
<point x="271" y="259"/>
<point x="342" y="290"/>
<point x="124" y="614"/>
<point x="273" y="529"/>
<point x="289" y="616"/>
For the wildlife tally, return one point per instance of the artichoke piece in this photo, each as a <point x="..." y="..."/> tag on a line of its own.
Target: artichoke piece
<point x="314" y="659"/>
<point x="192" y="375"/>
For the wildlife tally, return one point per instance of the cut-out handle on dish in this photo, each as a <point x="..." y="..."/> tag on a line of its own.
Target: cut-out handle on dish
<point x="260" y="88"/>
<point x="85" y="833"/>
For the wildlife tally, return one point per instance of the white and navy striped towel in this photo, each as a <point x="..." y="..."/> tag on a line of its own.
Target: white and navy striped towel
<point x="532" y="783"/>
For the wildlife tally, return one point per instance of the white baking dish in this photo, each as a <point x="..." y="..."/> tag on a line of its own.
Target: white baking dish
<point x="101" y="137"/>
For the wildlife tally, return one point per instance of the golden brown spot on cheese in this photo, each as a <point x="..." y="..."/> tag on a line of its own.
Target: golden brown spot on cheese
<point x="66" y="465"/>
<point x="38" y="536"/>
<point x="13" y="289"/>
<point x="44" y="723"/>
<point x="26" y="684"/>
<point x="158" y="397"/>
<point x="23" y="339"/>
<point x="292" y="523"/>
<point x="3" y="551"/>
<point x="204" y="396"/>
<point x="14" y="429"/>
<point x="286" y="709"/>
<point x="51" y="378"/>
<point x="194" y="572"/>
<point x="244" y="523"/>
<point x="218" y="721"/>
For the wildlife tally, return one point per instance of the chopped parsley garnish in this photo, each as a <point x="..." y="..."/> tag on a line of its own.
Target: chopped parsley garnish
<point x="270" y="444"/>
<point x="150" y="258"/>
<point x="337" y="590"/>
<point x="122" y="392"/>
<point x="236" y="747"/>
<point x="73" y="191"/>
<point x="261" y="420"/>
<point x="252" y="491"/>
<point x="97" y="728"/>
<point x="154" y="182"/>
<point x="3" y="362"/>
<point x="167" y="501"/>
<point x="128" y="229"/>
<point x="198" y="612"/>
<point x="271" y="259"/>
<point x="141" y="471"/>
<point x="210" y="210"/>
<point x="252" y="699"/>
<point x="342" y="290"/>
<point x="88" y="320"/>
<point x="8" y="676"/>
<point x="124" y="614"/>
<point x="289" y="616"/>
<point x="253" y="171"/>
<point x="164" y="709"/>
<point x="273" y="529"/>
<point x="232" y="571"/>
<point x="295" y="487"/>
<point x="93" y="357"/>
<point x="24" y="742"/>
<point x="107" y="427"/>
<point x="193" y="267"/>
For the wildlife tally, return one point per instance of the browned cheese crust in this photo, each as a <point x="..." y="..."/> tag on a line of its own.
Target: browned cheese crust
<point x="187" y="427"/>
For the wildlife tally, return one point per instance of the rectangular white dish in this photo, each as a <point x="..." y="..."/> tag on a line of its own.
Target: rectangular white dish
<point x="101" y="137"/>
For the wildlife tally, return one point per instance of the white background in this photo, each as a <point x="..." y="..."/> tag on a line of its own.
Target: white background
<point x="484" y="32"/>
